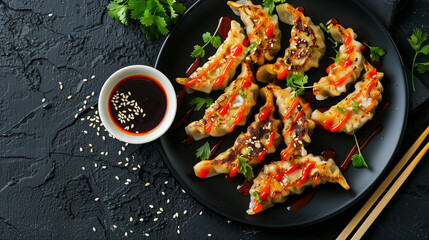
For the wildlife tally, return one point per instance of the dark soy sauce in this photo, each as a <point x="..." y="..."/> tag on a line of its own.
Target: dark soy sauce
<point x="137" y="104"/>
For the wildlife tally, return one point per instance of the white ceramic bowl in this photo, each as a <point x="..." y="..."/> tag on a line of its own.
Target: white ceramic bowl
<point x="111" y="82"/>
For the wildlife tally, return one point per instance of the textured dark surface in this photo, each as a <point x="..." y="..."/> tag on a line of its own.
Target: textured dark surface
<point x="50" y="189"/>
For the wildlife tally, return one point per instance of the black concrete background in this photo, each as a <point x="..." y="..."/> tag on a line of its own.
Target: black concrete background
<point x="58" y="175"/>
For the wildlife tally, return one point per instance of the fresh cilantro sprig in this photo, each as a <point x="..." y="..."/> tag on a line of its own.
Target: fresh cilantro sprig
<point x="357" y="159"/>
<point x="203" y="152"/>
<point x="256" y="195"/>
<point x="376" y="52"/>
<point x="270" y="4"/>
<point x="297" y="81"/>
<point x="244" y="167"/>
<point x="200" y="101"/>
<point x="215" y="41"/>
<point x="416" y="40"/>
<point x="156" y="17"/>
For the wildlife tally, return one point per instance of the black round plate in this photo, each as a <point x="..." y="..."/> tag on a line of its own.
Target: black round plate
<point x="222" y="197"/>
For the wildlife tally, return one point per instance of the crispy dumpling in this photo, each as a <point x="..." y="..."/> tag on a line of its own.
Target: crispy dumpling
<point x="220" y="69"/>
<point x="351" y="113"/>
<point x="280" y="179"/>
<point x="230" y="109"/>
<point x="307" y="46"/>
<point x="261" y="138"/>
<point x="346" y="70"/>
<point x="262" y="29"/>
<point x="297" y="123"/>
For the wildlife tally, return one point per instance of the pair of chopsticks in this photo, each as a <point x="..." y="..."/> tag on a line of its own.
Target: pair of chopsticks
<point x="381" y="189"/>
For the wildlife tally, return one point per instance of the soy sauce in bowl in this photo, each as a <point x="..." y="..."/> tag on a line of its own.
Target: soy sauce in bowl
<point x="138" y="104"/>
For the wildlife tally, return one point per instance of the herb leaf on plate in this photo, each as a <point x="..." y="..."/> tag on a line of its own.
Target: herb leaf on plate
<point x="357" y="159"/>
<point x="203" y="152"/>
<point x="375" y="52"/>
<point x="416" y="40"/>
<point x="200" y="101"/>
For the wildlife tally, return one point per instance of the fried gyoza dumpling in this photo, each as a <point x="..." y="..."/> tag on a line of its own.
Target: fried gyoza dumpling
<point x="307" y="46"/>
<point x="262" y="29"/>
<point x="220" y="69"/>
<point x="280" y="179"/>
<point x="232" y="108"/>
<point x="297" y="125"/>
<point x="346" y="69"/>
<point x="261" y="138"/>
<point x="357" y="108"/>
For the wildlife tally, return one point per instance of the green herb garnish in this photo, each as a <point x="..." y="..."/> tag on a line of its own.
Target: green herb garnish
<point x="244" y="167"/>
<point x="215" y="41"/>
<point x="357" y="159"/>
<point x="342" y="110"/>
<point x="270" y="4"/>
<point x="324" y="28"/>
<point x="376" y="52"/>
<point x="297" y="81"/>
<point x="355" y="106"/>
<point x="156" y="17"/>
<point x="203" y="152"/>
<point x="337" y="55"/>
<point x="256" y="195"/>
<point x="242" y="94"/>
<point x="250" y="47"/>
<point x="201" y="101"/>
<point x="416" y="40"/>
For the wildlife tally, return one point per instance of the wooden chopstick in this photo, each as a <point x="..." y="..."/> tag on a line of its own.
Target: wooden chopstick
<point x="386" y="198"/>
<point x="362" y="212"/>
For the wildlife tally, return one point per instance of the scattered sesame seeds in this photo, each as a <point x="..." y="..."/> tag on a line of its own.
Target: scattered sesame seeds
<point x="176" y="215"/>
<point x="94" y="229"/>
<point x="43" y="100"/>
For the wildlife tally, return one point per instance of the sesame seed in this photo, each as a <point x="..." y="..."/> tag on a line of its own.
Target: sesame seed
<point x="166" y="182"/>
<point x="43" y="99"/>
<point x="104" y="167"/>
<point x="178" y="231"/>
<point x="146" y="234"/>
<point x="168" y="201"/>
<point x="185" y="212"/>
<point x="93" y="76"/>
<point x="95" y="165"/>
<point x="81" y="149"/>
<point x="126" y="183"/>
<point x="96" y="199"/>
<point x="141" y="219"/>
<point x="69" y="97"/>
<point x="123" y="148"/>
<point x="151" y="206"/>
<point x="50" y="15"/>
<point x="183" y="190"/>
<point x="92" y="93"/>
<point x="131" y="219"/>
<point x="229" y="221"/>
<point x="131" y="231"/>
<point x="76" y="115"/>
<point x="83" y="168"/>
<point x="201" y="213"/>
<point x="209" y="235"/>
<point x="147" y="184"/>
<point x="135" y="169"/>
<point x="155" y="219"/>
<point x="91" y="150"/>
<point x="119" y="153"/>
<point x="85" y="80"/>
<point x="90" y="145"/>
<point x="94" y="229"/>
<point x="158" y="212"/>
<point x="117" y="178"/>
<point x="126" y="234"/>
<point x="128" y="180"/>
<point x="115" y="227"/>
<point x="119" y="163"/>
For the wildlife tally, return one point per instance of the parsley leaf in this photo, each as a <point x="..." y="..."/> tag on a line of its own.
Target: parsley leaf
<point x="416" y="40"/>
<point x="198" y="51"/>
<point x="354" y="106"/>
<point x="156" y="17"/>
<point x="324" y="28"/>
<point x="244" y="167"/>
<point x="342" y="110"/>
<point x="376" y="52"/>
<point x="242" y="94"/>
<point x="203" y="152"/>
<point x="297" y="81"/>
<point x="270" y="4"/>
<point x="201" y="101"/>
<point x="121" y="13"/>
<point x="256" y="195"/>
<point x="357" y="159"/>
